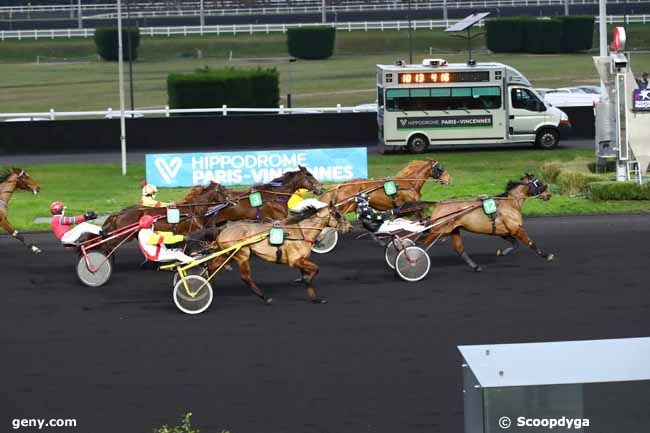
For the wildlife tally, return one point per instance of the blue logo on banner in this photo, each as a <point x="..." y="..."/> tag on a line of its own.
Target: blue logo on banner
<point x="248" y="168"/>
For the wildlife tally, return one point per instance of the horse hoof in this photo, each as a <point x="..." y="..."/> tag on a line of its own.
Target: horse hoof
<point x="299" y="280"/>
<point x="268" y="301"/>
<point x="478" y="269"/>
<point x="319" y="301"/>
<point x="550" y="257"/>
<point x="499" y="252"/>
<point x="36" y="250"/>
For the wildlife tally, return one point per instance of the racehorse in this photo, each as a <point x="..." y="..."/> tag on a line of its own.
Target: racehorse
<point x="409" y="182"/>
<point x="192" y="207"/>
<point x="275" y="196"/>
<point x="301" y="231"/>
<point x="507" y="222"/>
<point x="10" y="181"/>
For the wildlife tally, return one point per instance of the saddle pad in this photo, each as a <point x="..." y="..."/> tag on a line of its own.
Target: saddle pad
<point x="276" y="236"/>
<point x="255" y="199"/>
<point x="489" y="206"/>
<point x="390" y="188"/>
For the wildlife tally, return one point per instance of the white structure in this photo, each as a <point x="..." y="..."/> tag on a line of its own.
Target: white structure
<point x="437" y="103"/>
<point x="622" y="124"/>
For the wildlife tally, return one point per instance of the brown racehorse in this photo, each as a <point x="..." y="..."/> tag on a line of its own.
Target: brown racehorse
<point x="301" y="232"/>
<point x="10" y="181"/>
<point x="192" y="208"/>
<point x="275" y="196"/>
<point x="507" y="222"/>
<point x="409" y="181"/>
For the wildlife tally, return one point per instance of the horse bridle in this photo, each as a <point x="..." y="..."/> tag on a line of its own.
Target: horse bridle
<point x="437" y="170"/>
<point x="536" y="187"/>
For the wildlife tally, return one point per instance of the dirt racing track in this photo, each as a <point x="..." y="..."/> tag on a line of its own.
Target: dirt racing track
<point x="379" y="357"/>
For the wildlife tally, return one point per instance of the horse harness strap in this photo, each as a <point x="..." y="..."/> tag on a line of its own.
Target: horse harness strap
<point x="490" y="209"/>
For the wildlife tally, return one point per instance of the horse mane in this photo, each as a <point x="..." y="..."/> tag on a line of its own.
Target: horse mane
<point x="199" y="190"/>
<point x="309" y="211"/>
<point x="281" y="180"/>
<point x="4" y="174"/>
<point x="510" y="186"/>
<point x="411" y="167"/>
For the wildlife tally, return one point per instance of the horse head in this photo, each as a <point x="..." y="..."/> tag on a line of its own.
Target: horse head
<point x="439" y="173"/>
<point x="302" y="178"/>
<point x="535" y="187"/>
<point x="337" y="220"/>
<point x="24" y="181"/>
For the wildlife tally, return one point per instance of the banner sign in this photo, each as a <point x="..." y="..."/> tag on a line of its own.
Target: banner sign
<point x="477" y="121"/>
<point x="253" y="167"/>
<point x="641" y="98"/>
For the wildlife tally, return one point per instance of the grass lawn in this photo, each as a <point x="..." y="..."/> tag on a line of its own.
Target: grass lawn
<point x="101" y="187"/>
<point x="347" y="79"/>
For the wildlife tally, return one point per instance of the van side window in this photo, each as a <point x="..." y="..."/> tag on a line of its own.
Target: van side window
<point x="526" y="100"/>
<point x="444" y="98"/>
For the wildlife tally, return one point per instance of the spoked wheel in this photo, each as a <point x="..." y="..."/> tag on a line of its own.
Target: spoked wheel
<point x="393" y="248"/>
<point x="94" y="269"/>
<point x="201" y="271"/>
<point x="412" y="263"/>
<point x="196" y="298"/>
<point x="326" y="241"/>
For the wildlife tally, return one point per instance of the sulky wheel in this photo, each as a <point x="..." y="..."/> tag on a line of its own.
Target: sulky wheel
<point x="393" y="248"/>
<point x="326" y="241"/>
<point x="412" y="263"/>
<point x="201" y="271"/>
<point x="194" y="299"/>
<point x="94" y="269"/>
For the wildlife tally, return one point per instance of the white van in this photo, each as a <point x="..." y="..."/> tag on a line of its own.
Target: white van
<point x="441" y="104"/>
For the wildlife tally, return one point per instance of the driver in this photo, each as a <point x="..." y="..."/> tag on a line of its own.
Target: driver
<point x="63" y="229"/>
<point x="153" y="244"/>
<point x="297" y="202"/>
<point x="148" y="198"/>
<point x="380" y="222"/>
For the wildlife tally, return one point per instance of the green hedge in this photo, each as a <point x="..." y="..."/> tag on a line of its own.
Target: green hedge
<point x="619" y="191"/>
<point x="311" y="43"/>
<point x="577" y="33"/>
<point x="504" y="35"/>
<point x="208" y="88"/>
<point x="107" y="43"/>
<point x="540" y="35"/>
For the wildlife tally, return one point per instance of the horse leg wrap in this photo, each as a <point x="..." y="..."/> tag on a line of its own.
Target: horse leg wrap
<point x="468" y="260"/>
<point x="18" y="236"/>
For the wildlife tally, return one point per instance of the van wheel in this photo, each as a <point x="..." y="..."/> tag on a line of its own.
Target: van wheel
<point x="417" y="144"/>
<point x="547" y="139"/>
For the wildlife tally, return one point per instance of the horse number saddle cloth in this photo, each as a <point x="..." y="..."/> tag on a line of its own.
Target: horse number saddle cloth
<point x="255" y="199"/>
<point x="390" y="188"/>
<point x="276" y="236"/>
<point x="489" y="205"/>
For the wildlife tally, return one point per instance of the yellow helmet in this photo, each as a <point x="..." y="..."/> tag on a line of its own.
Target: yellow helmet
<point x="149" y="190"/>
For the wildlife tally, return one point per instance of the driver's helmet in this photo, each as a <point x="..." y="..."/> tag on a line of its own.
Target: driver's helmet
<point x="56" y="207"/>
<point x="149" y="190"/>
<point x="362" y="199"/>
<point x="146" y="221"/>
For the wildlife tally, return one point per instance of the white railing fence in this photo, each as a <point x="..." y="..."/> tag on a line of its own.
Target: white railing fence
<point x="235" y="29"/>
<point x="224" y="110"/>
<point x="271" y="5"/>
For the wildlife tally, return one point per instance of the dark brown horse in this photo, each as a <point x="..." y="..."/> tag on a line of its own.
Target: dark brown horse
<point x="301" y="231"/>
<point x="10" y="181"/>
<point x="409" y="182"/>
<point x="275" y="195"/>
<point x="450" y="216"/>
